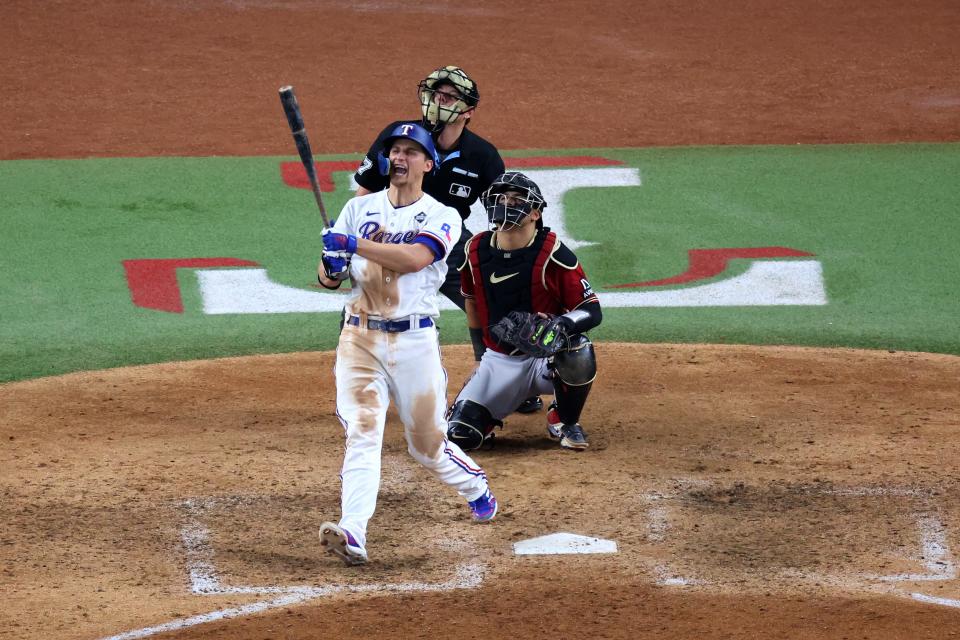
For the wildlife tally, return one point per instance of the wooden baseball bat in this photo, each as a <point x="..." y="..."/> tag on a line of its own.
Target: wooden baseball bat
<point x="290" y="107"/>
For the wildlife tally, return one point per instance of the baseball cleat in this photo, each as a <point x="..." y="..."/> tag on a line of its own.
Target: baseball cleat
<point x="553" y="422"/>
<point x="573" y="437"/>
<point x="530" y="405"/>
<point x="484" y="508"/>
<point x="342" y="544"/>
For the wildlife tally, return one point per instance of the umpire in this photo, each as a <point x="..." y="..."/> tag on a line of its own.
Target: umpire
<point x="468" y="163"/>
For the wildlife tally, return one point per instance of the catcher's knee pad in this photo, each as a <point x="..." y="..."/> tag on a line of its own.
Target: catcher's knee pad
<point x="576" y="365"/>
<point x="469" y="423"/>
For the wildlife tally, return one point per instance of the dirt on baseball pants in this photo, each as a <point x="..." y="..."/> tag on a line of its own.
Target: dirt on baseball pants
<point x="373" y="367"/>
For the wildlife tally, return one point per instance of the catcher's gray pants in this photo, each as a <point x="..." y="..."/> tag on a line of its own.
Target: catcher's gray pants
<point x="501" y="382"/>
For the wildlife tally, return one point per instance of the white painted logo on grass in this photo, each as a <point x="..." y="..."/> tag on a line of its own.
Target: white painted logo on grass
<point x="554" y="184"/>
<point x="765" y="283"/>
<point x="251" y="291"/>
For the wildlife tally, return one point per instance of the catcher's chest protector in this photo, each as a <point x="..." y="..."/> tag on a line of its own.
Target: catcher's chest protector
<point x="511" y="280"/>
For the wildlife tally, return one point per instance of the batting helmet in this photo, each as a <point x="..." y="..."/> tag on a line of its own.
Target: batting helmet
<point x="410" y="131"/>
<point x="437" y="115"/>
<point x="505" y="212"/>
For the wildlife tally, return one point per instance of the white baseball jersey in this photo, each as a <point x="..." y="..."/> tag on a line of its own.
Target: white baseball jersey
<point x="374" y="367"/>
<point x="378" y="291"/>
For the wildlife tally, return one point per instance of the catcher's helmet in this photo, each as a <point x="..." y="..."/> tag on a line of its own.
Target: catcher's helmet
<point x="437" y="115"/>
<point x="506" y="212"/>
<point x="411" y="131"/>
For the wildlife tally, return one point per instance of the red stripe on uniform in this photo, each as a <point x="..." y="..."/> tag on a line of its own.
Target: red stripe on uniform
<point x="460" y="462"/>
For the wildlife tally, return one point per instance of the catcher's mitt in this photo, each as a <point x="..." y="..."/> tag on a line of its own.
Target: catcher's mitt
<point x="533" y="334"/>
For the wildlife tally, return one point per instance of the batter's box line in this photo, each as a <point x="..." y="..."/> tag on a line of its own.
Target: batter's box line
<point x="943" y="602"/>
<point x="934" y="552"/>
<point x="205" y="581"/>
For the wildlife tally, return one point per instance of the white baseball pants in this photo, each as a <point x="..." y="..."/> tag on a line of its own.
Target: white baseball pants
<point x="372" y="367"/>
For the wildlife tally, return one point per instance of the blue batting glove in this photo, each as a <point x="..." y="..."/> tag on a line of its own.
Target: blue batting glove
<point x="383" y="164"/>
<point x="333" y="241"/>
<point x="336" y="265"/>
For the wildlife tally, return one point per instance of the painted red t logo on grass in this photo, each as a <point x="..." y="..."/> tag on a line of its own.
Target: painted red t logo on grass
<point x="707" y="263"/>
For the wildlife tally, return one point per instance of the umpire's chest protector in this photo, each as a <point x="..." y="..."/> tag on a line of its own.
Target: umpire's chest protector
<point x="510" y="280"/>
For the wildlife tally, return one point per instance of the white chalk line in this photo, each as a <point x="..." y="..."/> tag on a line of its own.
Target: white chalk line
<point x="908" y="492"/>
<point x="468" y="577"/>
<point x="945" y="602"/>
<point x="934" y="552"/>
<point x="204" y="581"/>
<point x="221" y="614"/>
<point x="658" y="523"/>
<point x="665" y="577"/>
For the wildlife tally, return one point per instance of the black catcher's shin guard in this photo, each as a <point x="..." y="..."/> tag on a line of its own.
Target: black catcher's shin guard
<point x="574" y="371"/>
<point x="570" y="401"/>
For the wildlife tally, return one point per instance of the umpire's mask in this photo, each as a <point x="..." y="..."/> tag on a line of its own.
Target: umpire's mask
<point x="510" y="199"/>
<point x="460" y="95"/>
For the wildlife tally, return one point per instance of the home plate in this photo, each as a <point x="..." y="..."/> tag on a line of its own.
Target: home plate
<point x="558" y="543"/>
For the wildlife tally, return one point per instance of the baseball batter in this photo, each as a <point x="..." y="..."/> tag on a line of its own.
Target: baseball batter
<point x="392" y="245"/>
<point x="468" y="164"/>
<point x="528" y="307"/>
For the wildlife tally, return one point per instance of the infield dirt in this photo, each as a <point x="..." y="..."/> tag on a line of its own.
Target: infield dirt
<point x="748" y="489"/>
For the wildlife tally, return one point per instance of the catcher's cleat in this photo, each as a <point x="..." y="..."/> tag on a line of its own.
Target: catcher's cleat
<point x="530" y="405"/>
<point x="484" y="508"/>
<point x="573" y="437"/>
<point x="342" y="544"/>
<point x="553" y="422"/>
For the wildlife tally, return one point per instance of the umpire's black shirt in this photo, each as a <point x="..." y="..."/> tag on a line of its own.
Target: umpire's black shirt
<point x="464" y="172"/>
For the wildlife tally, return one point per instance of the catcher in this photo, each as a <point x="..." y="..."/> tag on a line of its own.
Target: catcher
<point x="528" y="305"/>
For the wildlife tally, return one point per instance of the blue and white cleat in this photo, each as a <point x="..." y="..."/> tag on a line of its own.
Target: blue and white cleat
<point x="342" y="544"/>
<point x="573" y="437"/>
<point x="484" y="508"/>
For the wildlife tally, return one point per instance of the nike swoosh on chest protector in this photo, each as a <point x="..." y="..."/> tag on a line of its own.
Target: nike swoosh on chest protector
<point x="494" y="278"/>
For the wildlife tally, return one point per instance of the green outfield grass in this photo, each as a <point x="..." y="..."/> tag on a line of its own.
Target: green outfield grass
<point x="882" y="220"/>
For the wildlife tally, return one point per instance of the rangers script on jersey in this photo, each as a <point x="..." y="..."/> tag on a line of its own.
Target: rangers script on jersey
<point x="383" y="293"/>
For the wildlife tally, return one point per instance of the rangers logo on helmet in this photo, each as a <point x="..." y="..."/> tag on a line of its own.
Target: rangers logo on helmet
<point x="410" y="131"/>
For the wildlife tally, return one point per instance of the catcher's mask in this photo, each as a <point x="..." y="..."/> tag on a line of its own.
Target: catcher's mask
<point x="438" y="113"/>
<point x="510" y="199"/>
<point x="411" y="131"/>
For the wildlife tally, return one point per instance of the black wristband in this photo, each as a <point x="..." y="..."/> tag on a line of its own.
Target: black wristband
<point x="322" y="284"/>
<point x="476" y="338"/>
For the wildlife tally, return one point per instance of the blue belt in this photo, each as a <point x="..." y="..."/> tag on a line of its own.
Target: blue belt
<point x="390" y="326"/>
